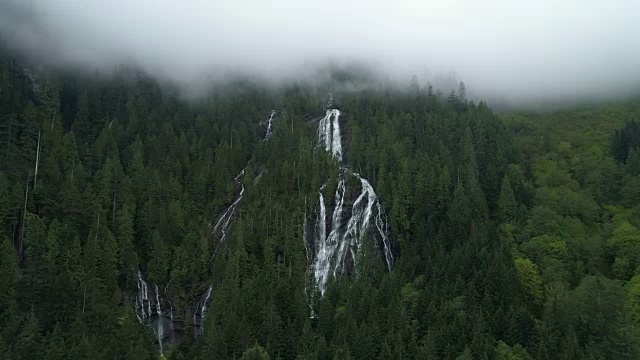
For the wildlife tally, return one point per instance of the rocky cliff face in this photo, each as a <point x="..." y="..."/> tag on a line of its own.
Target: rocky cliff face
<point x="154" y="308"/>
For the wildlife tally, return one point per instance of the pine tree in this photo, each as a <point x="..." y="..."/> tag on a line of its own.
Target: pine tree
<point x="159" y="258"/>
<point x="468" y="167"/>
<point x="462" y="92"/>
<point x="9" y="315"/>
<point x="29" y="344"/>
<point x="453" y="99"/>
<point x="633" y="162"/>
<point x="506" y="202"/>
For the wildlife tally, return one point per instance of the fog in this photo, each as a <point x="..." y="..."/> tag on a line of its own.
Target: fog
<point x="513" y="50"/>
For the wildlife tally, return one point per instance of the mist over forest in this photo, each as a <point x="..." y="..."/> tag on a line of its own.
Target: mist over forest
<point x="319" y="180"/>
<point x="511" y="52"/>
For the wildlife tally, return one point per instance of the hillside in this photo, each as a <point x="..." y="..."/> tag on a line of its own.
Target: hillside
<point x="310" y="223"/>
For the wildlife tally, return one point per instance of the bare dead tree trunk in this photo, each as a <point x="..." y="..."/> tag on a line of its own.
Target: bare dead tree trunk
<point x="35" y="172"/>
<point x="84" y="298"/>
<point x="53" y="118"/>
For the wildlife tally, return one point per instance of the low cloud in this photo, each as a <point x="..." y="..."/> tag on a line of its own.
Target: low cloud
<point x="507" y="49"/>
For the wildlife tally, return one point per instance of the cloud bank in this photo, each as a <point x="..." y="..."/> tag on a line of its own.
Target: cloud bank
<point x="514" y="49"/>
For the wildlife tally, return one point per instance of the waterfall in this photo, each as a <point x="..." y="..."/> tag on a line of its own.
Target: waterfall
<point x="227" y="216"/>
<point x="322" y="219"/>
<point x="356" y="227"/>
<point x="149" y="314"/>
<point x="307" y="251"/>
<point x="35" y="171"/>
<point x="225" y="219"/>
<point x="204" y="304"/>
<point x="142" y="298"/>
<point x="336" y="252"/>
<point x="336" y="141"/>
<point x="172" y="327"/>
<point x="149" y="311"/>
<point x="201" y="309"/>
<point x="267" y="136"/>
<point x="329" y="133"/>
<point x="373" y="205"/>
<point x="160" y="329"/>
<point x="383" y="230"/>
<point x="326" y="245"/>
<point x="155" y="311"/>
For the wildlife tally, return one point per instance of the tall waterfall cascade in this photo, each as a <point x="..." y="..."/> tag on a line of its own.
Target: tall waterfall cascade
<point x="201" y="309"/>
<point x="153" y="306"/>
<point x="222" y="225"/>
<point x="149" y="303"/>
<point x="269" y="132"/>
<point x="329" y="133"/>
<point x="154" y="309"/>
<point x="332" y="242"/>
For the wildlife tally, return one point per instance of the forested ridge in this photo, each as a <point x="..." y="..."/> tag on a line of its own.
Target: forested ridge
<point x="516" y="235"/>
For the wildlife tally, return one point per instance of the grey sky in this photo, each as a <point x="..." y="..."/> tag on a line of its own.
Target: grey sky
<point x="504" y="47"/>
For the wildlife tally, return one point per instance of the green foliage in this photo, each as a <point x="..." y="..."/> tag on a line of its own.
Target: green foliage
<point x="603" y="323"/>
<point x="582" y="225"/>
<point x="256" y="352"/>
<point x="509" y="232"/>
<point x="529" y="278"/>
<point x="507" y="205"/>
<point x="506" y="352"/>
<point x="633" y="295"/>
<point x="624" y="245"/>
<point x="626" y="141"/>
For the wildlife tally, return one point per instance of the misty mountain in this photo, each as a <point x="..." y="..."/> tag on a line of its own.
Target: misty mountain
<point x="516" y="53"/>
<point x="354" y="216"/>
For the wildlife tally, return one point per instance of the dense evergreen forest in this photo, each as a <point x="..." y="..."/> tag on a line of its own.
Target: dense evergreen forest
<point x="514" y="235"/>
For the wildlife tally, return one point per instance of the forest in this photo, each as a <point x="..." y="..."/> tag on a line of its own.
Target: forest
<point x="136" y="223"/>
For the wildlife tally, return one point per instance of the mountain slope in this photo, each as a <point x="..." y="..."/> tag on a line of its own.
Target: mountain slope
<point x="192" y="228"/>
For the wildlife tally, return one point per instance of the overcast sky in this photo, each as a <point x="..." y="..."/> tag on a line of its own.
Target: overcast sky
<point x="506" y="47"/>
